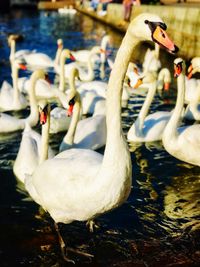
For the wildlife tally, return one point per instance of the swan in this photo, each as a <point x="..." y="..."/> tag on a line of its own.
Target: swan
<point x="10" y="97"/>
<point x="84" y="55"/>
<point x="164" y="80"/>
<point x="33" y="147"/>
<point x="63" y="185"/>
<point x="10" y="123"/>
<point x="89" y="133"/>
<point x="182" y="143"/>
<point x="148" y="128"/>
<point x="88" y="74"/>
<point x="16" y="54"/>
<point x="194" y="66"/>
<point x="151" y="60"/>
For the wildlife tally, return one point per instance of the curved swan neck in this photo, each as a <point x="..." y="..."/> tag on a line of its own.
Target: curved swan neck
<point x="114" y="95"/>
<point x="69" y="137"/>
<point x="15" y="72"/>
<point x="62" y="74"/>
<point x="173" y="123"/>
<point x="33" y="117"/>
<point x="45" y="138"/>
<point x="146" y="105"/>
<point x="58" y="54"/>
<point x="12" y="50"/>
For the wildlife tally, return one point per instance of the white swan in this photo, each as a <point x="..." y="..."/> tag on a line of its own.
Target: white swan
<point x="192" y="94"/>
<point x="148" y="128"/>
<point x="86" y="74"/>
<point x="84" y="55"/>
<point x="33" y="147"/>
<point x="88" y="133"/>
<point x="151" y="60"/>
<point x="164" y="80"/>
<point x="10" y="97"/>
<point x="10" y="123"/>
<point x="183" y="142"/>
<point x="63" y="185"/>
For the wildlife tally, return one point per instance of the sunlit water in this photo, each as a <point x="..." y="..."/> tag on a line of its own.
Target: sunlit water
<point x="157" y="226"/>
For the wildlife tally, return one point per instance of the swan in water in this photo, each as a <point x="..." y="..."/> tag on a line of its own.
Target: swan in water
<point x="148" y="128"/>
<point x="151" y="60"/>
<point x="192" y="95"/>
<point x="88" y="133"/>
<point x="64" y="184"/>
<point x="10" y="123"/>
<point x="181" y="142"/>
<point x="10" y="97"/>
<point x="33" y="147"/>
<point x="164" y="80"/>
<point x="35" y="59"/>
<point x="86" y="74"/>
<point x="84" y="55"/>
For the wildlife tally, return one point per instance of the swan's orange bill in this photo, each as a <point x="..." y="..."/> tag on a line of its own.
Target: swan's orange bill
<point x="22" y="67"/>
<point x="43" y="117"/>
<point x="72" y="57"/>
<point x="160" y="36"/>
<point x="166" y="86"/>
<point x="70" y="110"/>
<point x="177" y="70"/>
<point x="138" y="83"/>
<point x="190" y="69"/>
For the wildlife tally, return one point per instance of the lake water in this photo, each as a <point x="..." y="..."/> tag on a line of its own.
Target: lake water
<point x="157" y="226"/>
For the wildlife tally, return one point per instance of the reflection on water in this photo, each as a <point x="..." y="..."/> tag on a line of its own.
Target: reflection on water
<point x="157" y="226"/>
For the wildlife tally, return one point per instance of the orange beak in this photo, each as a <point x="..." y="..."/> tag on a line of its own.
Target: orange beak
<point x="43" y="117"/>
<point x="177" y="70"/>
<point x="72" y="57"/>
<point x="138" y="83"/>
<point x="22" y="67"/>
<point x="166" y="86"/>
<point x="160" y="36"/>
<point x="190" y="69"/>
<point x="70" y="110"/>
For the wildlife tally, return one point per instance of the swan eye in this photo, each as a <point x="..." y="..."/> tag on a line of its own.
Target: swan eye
<point x="72" y="101"/>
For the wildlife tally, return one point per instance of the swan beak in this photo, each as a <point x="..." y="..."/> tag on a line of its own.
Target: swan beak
<point x="43" y="117"/>
<point x="166" y="86"/>
<point x="22" y="67"/>
<point x="72" y="57"/>
<point x="138" y="83"/>
<point x="160" y="36"/>
<point x="70" y="110"/>
<point x="177" y="70"/>
<point x="190" y="69"/>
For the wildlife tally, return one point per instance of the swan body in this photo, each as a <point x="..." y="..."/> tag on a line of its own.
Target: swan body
<point x="164" y="79"/>
<point x="181" y="142"/>
<point x="151" y="60"/>
<point x="56" y="183"/>
<point x="84" y="55"/>
<point x="149" y="128"/>
<point x="10" y="123"/>
<point x="29" y="153"/>
<point x="10" y="97"/>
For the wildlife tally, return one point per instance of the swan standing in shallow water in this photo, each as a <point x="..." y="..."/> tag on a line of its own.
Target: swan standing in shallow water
<point x="81" y="184"/>
<point x="10" y="97"/>
<point x="10" y="123"/>
<point x="33" y="147"/>
<point x="181" y="142"/>
<point x="148" y="128"/>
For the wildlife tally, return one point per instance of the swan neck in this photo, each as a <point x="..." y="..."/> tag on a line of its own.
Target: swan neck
<point x="12" y="51"/>
<point x="34" y="116"/>
<point x="89" y="76"/>
<point x="15" y="72"/>
<point x="62" y="74"/>
<point x="45" y="138"/>
<point x="114" y="95"/>
<point x="69" y="137"/>
<point x="146" y="105"/>
<point x="58" y="54"/>
<point x="171" y="128"/>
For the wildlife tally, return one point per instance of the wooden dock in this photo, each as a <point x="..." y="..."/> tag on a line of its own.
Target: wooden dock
<point x="55" y="5"/>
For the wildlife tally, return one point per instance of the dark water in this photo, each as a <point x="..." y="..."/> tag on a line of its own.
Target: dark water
<point x="157" y="226"/>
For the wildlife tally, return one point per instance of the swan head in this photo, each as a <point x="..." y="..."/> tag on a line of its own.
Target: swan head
<point x="60" y="43"/>
<point x="194" y="67"/>
<point x="44" y="109"/>
<point x="19" y="64"/>
<point x="66" y="54"/>
<point x="179" y="67"/>
<point x="150" y="27"/>
<point x="73" y="98"/>
<point x="39" y="74"/>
